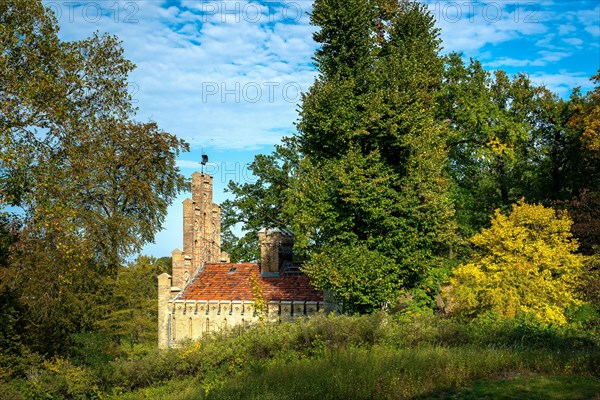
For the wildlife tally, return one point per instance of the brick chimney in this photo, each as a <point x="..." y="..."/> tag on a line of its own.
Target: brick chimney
<point x="275" y="249"/>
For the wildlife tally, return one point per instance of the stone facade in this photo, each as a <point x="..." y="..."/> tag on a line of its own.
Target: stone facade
<point x="181" y="319"/>
<point x="207" y="293"/>
<point x="201" y="231"/>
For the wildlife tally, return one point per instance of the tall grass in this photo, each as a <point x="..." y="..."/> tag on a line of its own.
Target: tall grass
<point x="327" y="357"/>
<point x="383" y="373"/>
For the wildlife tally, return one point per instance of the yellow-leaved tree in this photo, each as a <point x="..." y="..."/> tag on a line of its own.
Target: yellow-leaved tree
<point x="524" y="263"/>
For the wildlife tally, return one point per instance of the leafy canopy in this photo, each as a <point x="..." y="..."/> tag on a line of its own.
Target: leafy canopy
<point x="524" y="263"/>
<point x="72" y="157"/>
<point x="92" y="184"/>
<point x="365" y="172"/>
<point x="371" y="178"/>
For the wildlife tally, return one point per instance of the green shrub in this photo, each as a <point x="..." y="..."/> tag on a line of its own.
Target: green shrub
<point x="60" y="379"/>
<point x="367" y="353"/>
<point x="92" y="349"/>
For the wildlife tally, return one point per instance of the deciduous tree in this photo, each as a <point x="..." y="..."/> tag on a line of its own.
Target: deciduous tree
<point x="92" y="183"/>
<point x="526" y="262"/>
<point x="131" y="315"/>
<point x="260" y="203"/>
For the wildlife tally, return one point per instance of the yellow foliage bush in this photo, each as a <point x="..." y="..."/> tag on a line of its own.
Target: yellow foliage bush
<point x="524" y="263"/>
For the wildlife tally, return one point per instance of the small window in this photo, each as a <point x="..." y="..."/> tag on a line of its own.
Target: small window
<point x="232" y="270"/>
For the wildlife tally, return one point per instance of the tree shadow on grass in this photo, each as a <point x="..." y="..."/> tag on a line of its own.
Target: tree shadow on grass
<point x="525" y="387"/>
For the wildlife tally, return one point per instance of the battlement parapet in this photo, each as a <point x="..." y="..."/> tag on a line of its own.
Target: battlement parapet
<point x="193" y="319"/>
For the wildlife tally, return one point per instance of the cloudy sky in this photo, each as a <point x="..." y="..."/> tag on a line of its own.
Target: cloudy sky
<point x="227" y="75"/>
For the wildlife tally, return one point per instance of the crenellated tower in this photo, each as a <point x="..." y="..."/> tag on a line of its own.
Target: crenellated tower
<point x="201" y="231"/>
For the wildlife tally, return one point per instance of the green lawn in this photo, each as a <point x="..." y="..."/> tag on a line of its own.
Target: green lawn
<point x="529" y="387"/>
<point x="526" y="387"/>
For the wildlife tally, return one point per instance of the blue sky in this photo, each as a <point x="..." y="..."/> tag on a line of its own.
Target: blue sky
<point x="227" y="75"/>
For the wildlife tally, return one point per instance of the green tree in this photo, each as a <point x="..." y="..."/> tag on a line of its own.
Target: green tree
<point x="116" y="182"/>
<point x="58" y="286"/>
<point x="526" y="262"/>
<point x="582" y="169"/>
<point x="510" y="139"/>
<point x="69" y="140"/>
<point x="365" y="170"/>
<point x="93" y="184"/>
<point x="11" y="318"/>
<point x="494" y="139"/>
<point x="586" y="116"/>
<point x="131" y="316"/>
<point x="30" y="90"/>
<point x="71" y="151"/>
<point x="260" y="203"/>
<point x="372" y="172"/>
<point x="363" y="280"/>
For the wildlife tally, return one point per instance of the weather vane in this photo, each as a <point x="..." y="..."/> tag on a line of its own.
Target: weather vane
<point x="204" y="160"/>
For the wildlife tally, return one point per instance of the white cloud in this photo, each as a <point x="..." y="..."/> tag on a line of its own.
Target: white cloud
<point x="573" y="41"/>
<point x="566" y="29"/>
<point x="562" y="82"/>
<point x="255" y="56"/>
<point x="588" y="16"/>
<point x="594" y="30"/>
<point x="471" y="26"/>
<point x="546" y="57"/>
<point x="546" y="41"/>
<point x="509" y="62"/>
<point x="586" y="19"/>
<point x="552" y="56"/>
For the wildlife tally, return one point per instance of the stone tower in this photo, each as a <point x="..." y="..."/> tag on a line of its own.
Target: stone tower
<point x="201" y="231"/>
<point x="275" y="249"/>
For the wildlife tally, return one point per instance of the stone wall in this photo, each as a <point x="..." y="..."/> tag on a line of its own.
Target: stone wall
<point x="192" y="319"/>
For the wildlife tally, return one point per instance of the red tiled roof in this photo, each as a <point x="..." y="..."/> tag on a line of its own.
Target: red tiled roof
<point x="216" y="282"/>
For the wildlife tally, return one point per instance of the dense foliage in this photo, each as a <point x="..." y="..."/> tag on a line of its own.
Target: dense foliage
<point x="410" y="175"/>
<point x="404" y="155"/>
<point x="523" y="263"/>
<point x="86" y="184"/>
<point x="366" y="169"/>
<point x="375" y="356"/>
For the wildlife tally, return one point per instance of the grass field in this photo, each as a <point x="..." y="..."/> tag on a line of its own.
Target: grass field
<point x="313" y="381"/>
<point x="374" y="357"/>
<point x="538" y="387"/>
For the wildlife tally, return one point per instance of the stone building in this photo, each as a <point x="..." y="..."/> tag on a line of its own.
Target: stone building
<point x="207" y="293"/>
